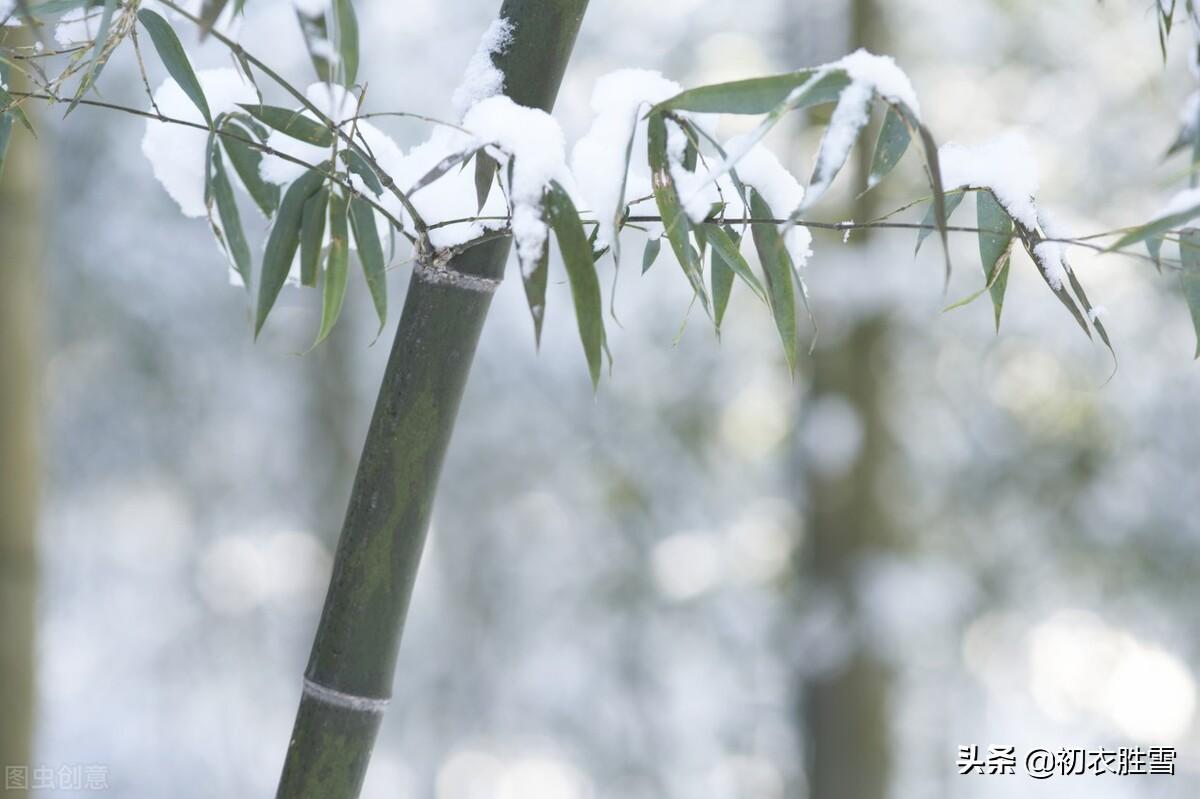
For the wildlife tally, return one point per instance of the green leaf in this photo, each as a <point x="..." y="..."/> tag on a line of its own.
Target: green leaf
<point x="1156" y="227"/>
<point x="291" y="123"/>
<point x="1154" y="247"/>
<point x="777" y="267"/>
<point x="650" y="254"/>
<point x="246" y="161"/>
<point x="209" y="13"/>
<point x="534" y="279"/>
<point x="439" y="169"/>
<point x="994" y="246"/>
<point x="231" y="221"/>
<point x="726" y="244"/>
<point x="758" y="95"/>
<point x="941" y="208"/>
<point x="370" y="253"/>
<point x="337" y="266"/>
<point x="485" y="174"/>
<point x="14" y="110"/>
<point x="581" y="273"/>
<point x="347" y="39"/>
<point x="175" y="59"/>
<point x="283" y="242"/>
<point x="929" y="221"/>
<point x="312" y="235"/>
<point x="894" y="138"/>
<point x="316" y="41"/>
<point x="359" y="166"/>
<point x="675" y="221"/>
<point x="1189" y="255"/>
<point x="99" y="59"/>
<point x="853" y="111"/>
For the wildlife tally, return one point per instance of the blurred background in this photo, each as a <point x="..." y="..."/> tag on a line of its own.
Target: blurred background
<point x="704" y="580"/>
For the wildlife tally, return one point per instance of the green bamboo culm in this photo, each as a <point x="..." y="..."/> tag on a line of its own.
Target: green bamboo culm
<point x="350" y="672"/>
<point x="20" y="380"/>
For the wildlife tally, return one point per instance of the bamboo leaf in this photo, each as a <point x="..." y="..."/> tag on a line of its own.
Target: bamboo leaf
<point x="1156" y="227"/>
<point x="359" y="166"/>
<point x="758" y="95"/>
<point x="941" y="209"/>
<point x="347" y="39"/>
<point x="337" y="266"/>
<point x="312" y="235"/>
<point x="581" y="273"/>
<point x="777" y="266"/>
<point x="675" y="221"/>
<point x="650" y="254"/>
<point x="231" y="221"/>
<point x="720" y="275"/>
<point x="316" y="41"/>
<point x="439" y="169"/>
<point x="99" y="59"/>
<point x="370" y="253"/>
<point x="534" y="279"/>
<point x="894" y="138"/>
<point x="1189" y="255"/>
<point x="246" y="161"/>
<point x="291" y="123"/>
<point x="929" y="221"/>
<point x="209" y="13"/>
<point x="995" y="239"/>
<point x="283" y="242"/>
<point x="485" y="174"/>
<point x="1154" y="247"/>
<point x="166" y="43"/>
<point x="14" y="110"/>
<point x="726" y="243"/>
<point x="851" y="115"/>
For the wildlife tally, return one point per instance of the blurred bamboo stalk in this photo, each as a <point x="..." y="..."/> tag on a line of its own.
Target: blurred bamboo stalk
<point x="350" y="672"/>
<point x="20" y="378"/>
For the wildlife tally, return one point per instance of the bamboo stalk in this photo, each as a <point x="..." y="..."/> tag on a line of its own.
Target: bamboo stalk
<point x="20" y="303"/>
<point x="349" y="677"/>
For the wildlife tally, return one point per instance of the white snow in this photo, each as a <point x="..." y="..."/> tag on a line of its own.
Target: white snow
<point x="1005" y="165"/>
<point x="534" y="142"/>
<point x="758" y="167"/>
<point x="482" y="79"/>
<point x="77" y="26"/>
<point x="1096" y="312"/>
<point x="1051" y="257"/>
<point x="880" y="73"/>
<point x="598" y="159"/>
<point x="851" y="114"/>
<point x="176" y="153"/>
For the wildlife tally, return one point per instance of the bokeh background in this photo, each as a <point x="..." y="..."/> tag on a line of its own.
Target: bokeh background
<point x="706" y="579"/>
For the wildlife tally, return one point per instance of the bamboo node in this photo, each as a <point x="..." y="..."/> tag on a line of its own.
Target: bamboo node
<point x="332" y="696"/>
<point x="444" y="276"/>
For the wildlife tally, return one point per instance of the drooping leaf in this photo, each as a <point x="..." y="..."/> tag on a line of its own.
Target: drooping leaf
<point x="650" y="254"/>
<point x="231" y="221"/>
<point x="1189" y="255"/>
<point x="581" y="273"/>
<point x="337" y="265"/>
<point x="758" y="95"/>
<point x="726" y="243"/>
<point x="14" y="110"/>
<point x="209" y="13"/>
<point x="534" y="279"/>
<point x="440" y="168"/>
<point x="941" y="209"/>
<point x="347" y="40"/>
<point x="359" y="166"/>
<point x="1091" y="312"/>
<point x="1154" y="247"/>
<point x="851" y="115"/>
<point x="166" y="43"/>
<point x="777" y="267"/>
<point x="1060" y="291"/>
<point x="370" y="253"/>
<point x="485" y="175"/>
<point x="291" y="123"/>
<point x="675" y="221"/>
<point x="894" y="138"/>
<point x="929" y="221"/>
<point x="283" y="241"/>
<point x="995" y="240"/>
<point x="312" y="235"/>
<point x="246" y="160"/>
<point x="99" y="56"/>
<point x="316" y="41"/>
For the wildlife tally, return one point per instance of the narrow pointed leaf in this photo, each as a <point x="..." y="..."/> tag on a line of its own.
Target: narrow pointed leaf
<point x="246" y="161"/>
<point x="485" y="175"/>
<point x="757" y="95"/>
<point x="675" y="221"/>
<point x="99" y="57"/>
<point x="231" y="221"/>
<point x="1154" y="247"/>
<point x="777" y="267"/>
<point x="359" y="166"/>
<point x="725" y="243"/>
<point x="851" y="115"/>
<point x="1189" y="255"/>
<point x="166" y="43"/>
<point x="439" y="169"/>
<point x="1156" y="227"/>
<point x="929" y="221"/>
<point x="312" y="236"/>
<point x="283" y="242"/>
<point x="650" y="254"/>
<point x="347" y="40"/>
<point x="534" y="279"/>
<point x="581" y="273"/>
<point x="209" y="13"/>
<point x="994" y="246"/>
<point x="894" y="138"/>
<point x="370" y="253"/>
<point x="316" y="41"/>
<point x="337" y="266"/>
<point x="291" y="123"/>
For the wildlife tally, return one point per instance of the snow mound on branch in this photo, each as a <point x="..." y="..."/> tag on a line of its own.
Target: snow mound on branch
<point x="534" y="142"/>
<point x="482" y="79"/>
<point x="757" y="167"/>
<point x="1005" y="165"/>
<point x="177" y="153"/>
<point x="881" y="75"/>
<point x="598" y="159"/>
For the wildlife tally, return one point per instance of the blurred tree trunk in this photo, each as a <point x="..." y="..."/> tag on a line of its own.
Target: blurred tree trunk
<point x="844" y="711"/>
<point x="20" y="301"/>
